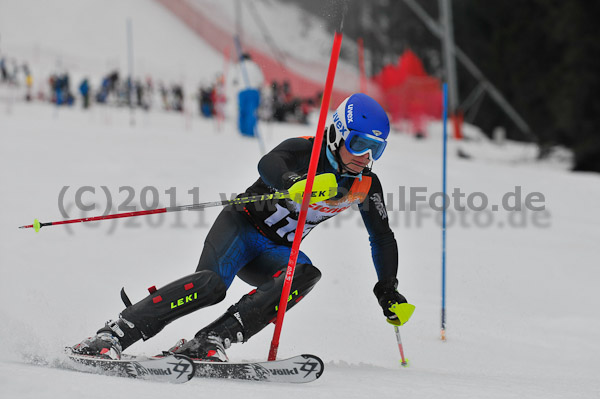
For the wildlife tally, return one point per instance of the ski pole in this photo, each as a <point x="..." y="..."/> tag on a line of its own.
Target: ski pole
<point x="403" y="360"/>
<point x="404" y="312"/>
<point x="325" y="187"/>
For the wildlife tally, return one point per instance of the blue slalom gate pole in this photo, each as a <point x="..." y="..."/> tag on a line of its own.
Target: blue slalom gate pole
<point x="444" y="173"/>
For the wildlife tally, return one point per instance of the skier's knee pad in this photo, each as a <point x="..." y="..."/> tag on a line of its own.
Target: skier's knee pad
<point x="176" y="299"/>
<point x="258" y="308"/>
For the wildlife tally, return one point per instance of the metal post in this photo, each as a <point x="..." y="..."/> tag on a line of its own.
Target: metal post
<point x="449" y="60"/>
<point x="238" y="20"/>
<point x="130" y="88"/>
<point x="444" y="175"/>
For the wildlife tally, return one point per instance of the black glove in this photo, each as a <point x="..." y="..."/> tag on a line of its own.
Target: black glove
<point x="387" y="295"/>
<point x="289" y="178"/>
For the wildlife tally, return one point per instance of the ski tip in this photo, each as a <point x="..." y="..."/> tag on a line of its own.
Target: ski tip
<point x="317" y="368"/>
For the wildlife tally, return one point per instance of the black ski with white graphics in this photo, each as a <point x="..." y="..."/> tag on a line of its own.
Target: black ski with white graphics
<point x="297" y="369"/>
<point x="170" y="368"/>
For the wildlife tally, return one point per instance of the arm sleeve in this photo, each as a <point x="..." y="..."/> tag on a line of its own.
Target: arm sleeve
<point x="292" y="155"/>
<point x="384" y="248"/>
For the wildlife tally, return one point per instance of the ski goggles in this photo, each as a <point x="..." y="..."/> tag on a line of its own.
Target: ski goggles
<point x="359" y="143"/>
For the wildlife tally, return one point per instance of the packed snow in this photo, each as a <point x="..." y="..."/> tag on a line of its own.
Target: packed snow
<point x="522" y="311"/>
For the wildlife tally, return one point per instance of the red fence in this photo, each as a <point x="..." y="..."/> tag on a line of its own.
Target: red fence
<point x="409" y="93"/>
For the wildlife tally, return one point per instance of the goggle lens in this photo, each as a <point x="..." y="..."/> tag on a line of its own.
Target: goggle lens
<point x="359" y="143"/>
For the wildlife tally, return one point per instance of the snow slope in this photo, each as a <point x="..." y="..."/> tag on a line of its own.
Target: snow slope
<point x="522" y="309"/>
<point x="89" y="38"/>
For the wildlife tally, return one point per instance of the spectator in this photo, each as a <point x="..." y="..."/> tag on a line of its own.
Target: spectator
<point x="28" y="82"/>
<point x="3" y="69"/>
<point x="178" y="98"/>
<point x="206" y="100"/>
<point x="84" y="90"/>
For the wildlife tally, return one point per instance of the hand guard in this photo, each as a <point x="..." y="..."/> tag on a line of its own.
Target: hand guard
<point x="324" y="186"/>
<point x="387" y="296"/>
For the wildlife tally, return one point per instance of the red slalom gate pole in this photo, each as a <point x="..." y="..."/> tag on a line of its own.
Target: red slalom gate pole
<point x="312" y="170"/>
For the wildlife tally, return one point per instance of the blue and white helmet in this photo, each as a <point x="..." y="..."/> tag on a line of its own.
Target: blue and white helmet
<point x="362" y="124"/>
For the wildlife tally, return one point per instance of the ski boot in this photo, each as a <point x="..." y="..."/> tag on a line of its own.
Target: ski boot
<point x="207" y="347"/>
<point x="103" y="345"/>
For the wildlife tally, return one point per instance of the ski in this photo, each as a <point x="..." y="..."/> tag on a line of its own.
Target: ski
<point x="179" y="369"/>
<point x="297" y="369"/>
<point x="171" y="368"/>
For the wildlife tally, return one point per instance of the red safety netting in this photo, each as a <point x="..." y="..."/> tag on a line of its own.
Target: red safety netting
<point x="409" y="93"/>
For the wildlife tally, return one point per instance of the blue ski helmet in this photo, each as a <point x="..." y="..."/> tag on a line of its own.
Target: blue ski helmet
<point x="362" y="124"/>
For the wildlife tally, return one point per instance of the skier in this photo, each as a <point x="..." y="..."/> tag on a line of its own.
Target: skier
<point x="253" y="242"/>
